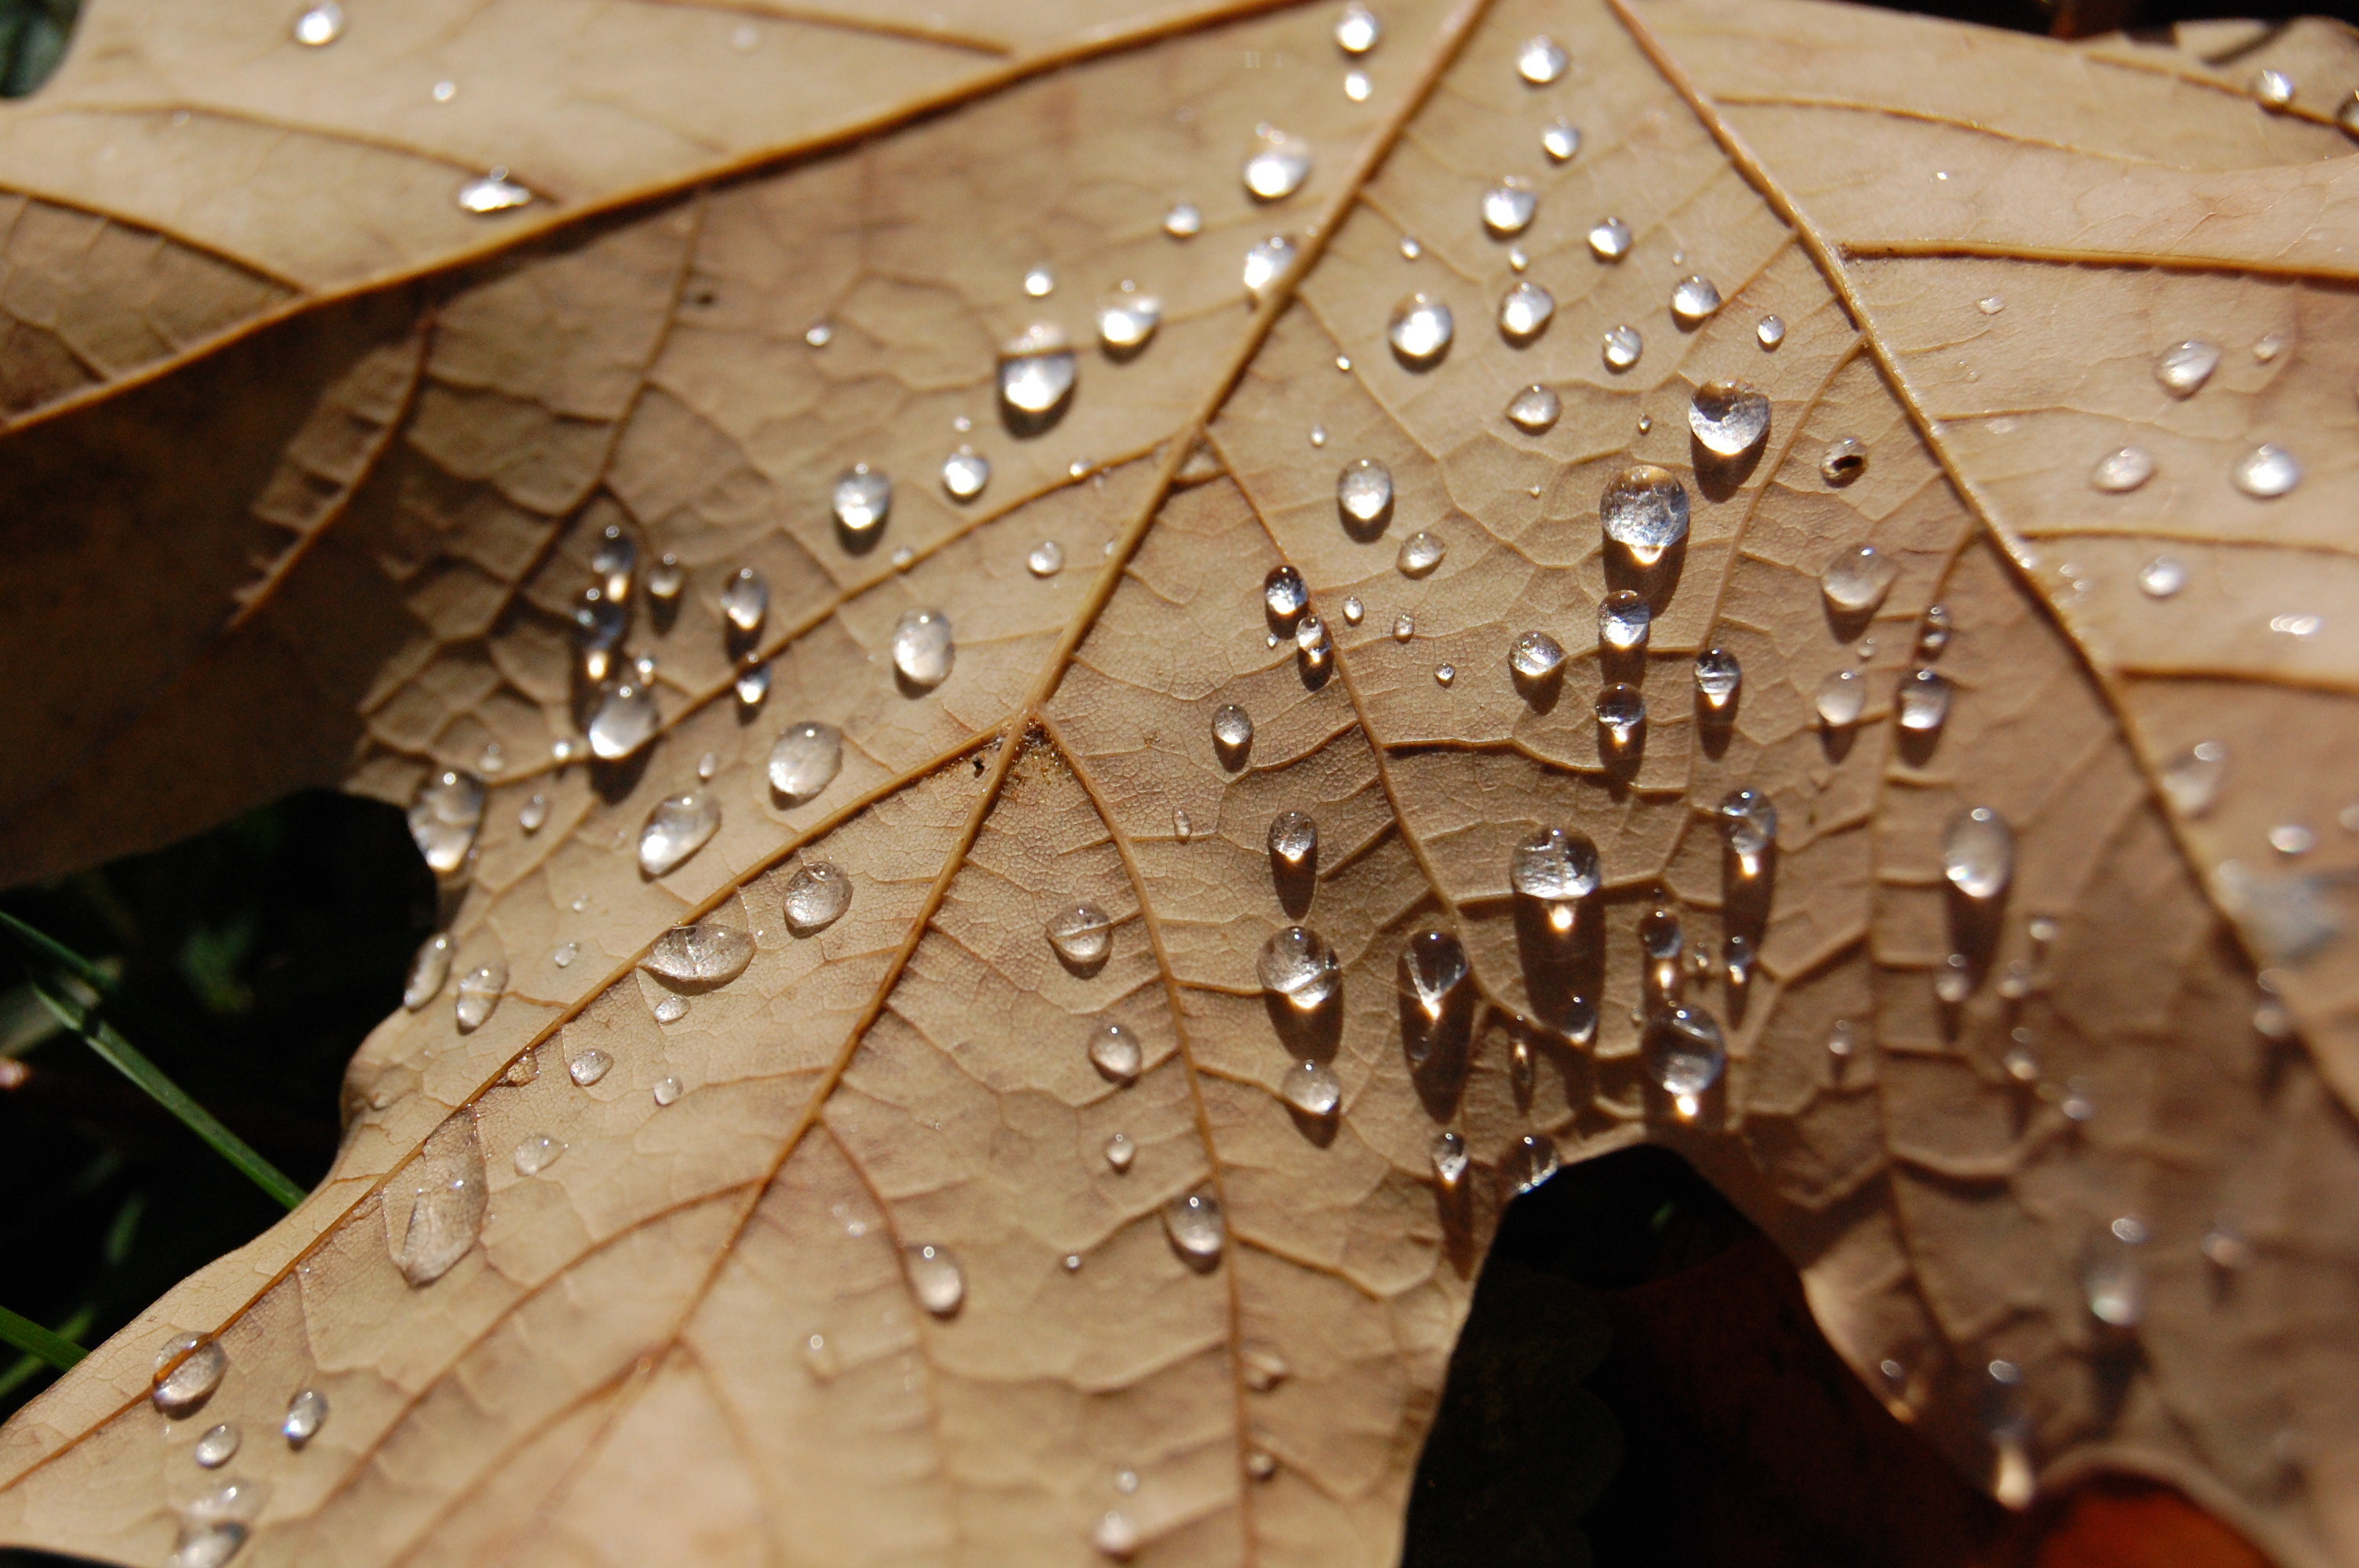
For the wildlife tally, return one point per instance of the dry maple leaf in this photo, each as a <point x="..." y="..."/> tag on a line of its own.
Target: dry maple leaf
<point x="878" y="1106"/>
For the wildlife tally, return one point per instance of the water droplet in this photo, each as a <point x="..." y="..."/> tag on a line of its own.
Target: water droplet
<point x="565" y="955"/>
<point x="449" y="1189"/>
<point x="1036" y="372"/>
<point x="1233" y="732"/>
<point x="1561" y="139"/>
<point x="1541" y="61"/>
<point x="2191" y="780"/>
<point x="479" y="994"/>
<point x="2122" y="470"/>
<point x="1842" y="698"/>
<point x="1444" y="674"/>
<point x="217" y="1447"/>
<point x="1277" y="165"/>
<point x="1717" y="677"/>
<point x="1127" y="320"/>
<point x="1644" y="510"/>
<point x="320" y="25"/>
<point x="1978" y="853"/>
<point x="1183" y="222"/>
<point x="1748" y="821"/>
<point x="1082" y="934"/>
<point x="1409" y="249"/>
<point x="2111" y="1278"/>
<point x="1990" y="305"/>
<point x="1508" y="207"/>
<point x="1266" y="263"/>
<point x="1621" y="714"/>
<point x="1609" y="239"/>
<point x="1924" y="701"/>
<point x="1420" y="331"/>
<point x="816" y="896"/>
<point x="935" y="1279"/>
<point x="819" y="334"/>
<point x="1284" y="593"/>
<point x="537" y="1154"/>
<point x="806" y="760"/>
<point x="1845" y="461"/>
<point x="2266" y="471"/>
<point x="443" y="92"/>
<point x="588" y="1066"/>
<point x="1420" y="553"/>
<point x="2183" y="368"/>
<point x="2162" y="577"/>
<point x="1357" y="29"/>
<point x="1623" y="621"/>
<point x="444" y="816"/>
<point x="1311" y="641"/>
<point x="670" y="1009"/>
<point x="2273" y="88"/>
<point x="1449" y="1158"/>
<point x="1557" y="869"/>
<point x="491" y="193"/>
<point x="1115" y="1052"/>
<point x="1856" y="580"/>
<point x="1433" y="966"/>
<point x="1261" y="1367"/>
<point x="1622" y="346"/>
<point x="922" y="650"/>
<point x="1535" y="656"/>
<point x="625" y="721"/>
<point x="964" y="473"/>
<point x="1730" y="417"/>
<point x="861" y="499"/>
<point x="1120" y="1151"/>
<point x="1533" y="1160"/>
<point x="1525" y="311"/>
<point x="1116" y="1536"/>
<point x="1694" y="300"/>
<point x="183" y="1389"/>
<point x="1771" y="332"/>
<point x="1684" y="1053"/>
<point x="1534" y="410"/>
<point x="2224" y="1248"/>
<point x="2292" y="839"/>
<point x="677" y="827"/>
<point x="707" y="954"/>
<point x="1353" y="610"/>
<point x="1296" y="965"/>
<point x="1293" y="837"/>
<point x="1404" y="627"/>
<point x="307" y="1412"/>
<point x="1313" y="1089"/>
<point x="427" y="972"/>
<point x="1196" y="1227"/>
<point x="668" y="1089"/>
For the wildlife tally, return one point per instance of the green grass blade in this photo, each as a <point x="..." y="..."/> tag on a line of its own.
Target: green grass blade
<point x="58" y="953"/>
<point x="118" y="1053"/>
<point x="34" y="1340"/>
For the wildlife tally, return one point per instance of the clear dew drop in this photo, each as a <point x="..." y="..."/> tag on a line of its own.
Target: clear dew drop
<point x="1717" y="677"/>
<point x="670" y="1009"/>
<point x="1609" y="239"/>
<point x="2191" y="780"/>
<point x="307" y="1412"/>
<point x="625" y="721"/>
<point x="1265" y="263"/>
<point x="1444" y="674"/>
<point x="2183" y="368"/>
<point x="2122" y="470"/>
<point x="536" y="1153"/>
<point x="1693" y="300"/>
<point x="1420" y="331"/>
<point x="1555" y="868"/>
<point x="1285" y="594"/>
<point x="1451" y="1159"/>
<point x="1127" y="319"/>
<point x="1561" y="139"/>
<point x="1036" y="371"/>
<point x="1353" y="610"/>
<point x="817" y="893"/>
<point x="1115" y="1053"/>
<point x="1856" y="580"/>
<point x="1404" y="627"/>
<point x="1508" y="207"/>
<point x="1117" y="1536"/>
<point x="1534" y="410"/>
<point x="1233" y="732"/>
<point x="1532" y="1161"/>
<point x="565" y="954"/>
<point x="861" y="499"/>
<point x="923" y="652"/>
<point x="1644" y="510"/>
<point x="588" y="1066"/>
<point x="479" y="994"/>
<point x="1183" y="222"/>
<point x="320" y="25"/>
<point x="1082" y="934"/>
<point x="1770" y="332"/>
<point x="677" y="827"/>
<point x="1357" y="29"/>
<point x="428" y="970"/>
<point x="1844" y="460"/>
<point x="1433" y="966"/>
<point x="1363" y="490"/>
<point x="1841" y="698"/>
<point x="1625" y="621"/>
<point x="1621" y="712"/>
<point x="964" y="473"/>
<point x="449" y="1190"/>
<point x="1684" y="1053"/>
<point x="1978" y="853"/>
<point x="2161" y="577"/>
<point x="1525" y="311"/>
<point x="1121" y="1152"/>
<point x="2274" y="89"/>
<point x="2265" y="473"/>
<point x="1044" y="559"/>
<point x="1933" y="635"/>
<point x="206" y="1543"/>
<point x="1293" y="837"/>
<point x="1261" y="1365"/>
<point x="1196" y="1227"/>
<point x="490" y="194"/>
<point x="745" y="596"/>
<point x="805" y="761"/>
<point x="1313" y="1089"/>
<point x="2112" y="1281"/>
<point x="1276" y="166"/>
<point x="1923" y="701"/>
<point x="706" y="954"/>
<point x="1420" y="553"/>
<point x="1039" y="283"/>
<point x="1621" y="347"/>
<point x="444" y="817"/>
<point x="1296" y="963"/>
<point x="1535" y="656"/>
<point x="1748" y="824"/>
<point x="1730" y="417"/>
<point x="819" y="334"/>
<point x="666" y="578"/>
<point x="1541" y="61"/>
<point x="533" y="813"/>
<point x="187" y="1369"/>
<point x="935" y="1279"/>
<point x="666" y="1090"/>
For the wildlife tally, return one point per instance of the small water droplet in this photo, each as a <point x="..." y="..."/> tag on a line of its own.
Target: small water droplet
<point x="589" y="1066"/>
<point x="861" y="499"/>
<point x="1357" y="29"/>
<point x="479" y="994"/>
<point x="1730" y="417"/>
<point x="1115" y="1052"/>
<point x="1609" y="239"/>
<point x="1748" y="822"/>
<point x="1532" y="1161"/>
<point x="1534" y="410"/>
<point x="196" y="1366"/>
<point x="1293" y="837"/>
<point x="2266" y="471"/>
<point x="1296" y="965"/>
<point x="1990" y="305"/>
<point x="217" y="1447"/>
<point x="1621" y="348"/>
<point x="1693" y="301"/>
<point x="1196" y="1227"/>
<point x="670" y="1009"/>
<point x="707" y="954"/>
<point x="565" y="955"/>
<point x="427" y="972"/>
<point x="320" y="25"/>
<point x="1924" y="701"/>
<point x="964" y="473"/>
<point x="677" y="827"/>
<point x="2183" y="368"/>
<point x="537" y="1154"/>
<point x="1684" y="1053"/>
<point x="819" y="334"/>
<point x="1644" y="511"/>
<point x="816" y="895"/>
<point x="1557" y="869"/>
<point x="1535" y="656"/>
<point x="1127" y="319"/>
<point x="2292" y="839"/>
<point x="2112" y="1281"/>
<point x="1120" y="1151"/>
<point x="923" y="652"/>
<point x="1116" y="1536"/>
<point x="1856" y="580"/>
<point x="1183" y="222"/>
<point x="2161" y="577"/>
<point x="1621" y="713"/>
<point x="449" y="1189"/>
<point x="1978" y="853"/>
<point x="1841" y="698"/>
<point x="1353" y="610"/>
<point x="2122" y="470"/>
<point x="1285" y="594"/>
<point x="307" y="1412"/>
<point x="805" y="761"/>
<point x="2224" y="1248"/>
<point x="935" y="1279"/>
<point x="1717" y="677"/>
<point x="2273" y="88"/>
<point x="1313" y="1089"/>
<point x="1082" y="934"/>
<point x="1845" y="461"/>
<point x="1625" y="621"/>
<point x="1444" y="674"/>
<point x="1277" y="165"/>
<point x="490" y="193"/>
<point x="1771" y="332"/>
<point x="444" y="817"/>
<point x="625" y="721"/>
<point x="1036" y="372"/>
<point x="1420" y="331"/>
<point x="1508" y="207"/>
<point x="667" y="1090"/>
<point x="1420" y="553"/>
<point x="1561" y="139"/>
<point x="1541" y="61"/>
<point x="2191" y="780"/>
<point x="1404" y="627"/>
<point x="1233" y="734"/>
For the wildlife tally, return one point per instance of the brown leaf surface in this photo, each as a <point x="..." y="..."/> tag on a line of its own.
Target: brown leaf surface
<point x="347" y="545"/>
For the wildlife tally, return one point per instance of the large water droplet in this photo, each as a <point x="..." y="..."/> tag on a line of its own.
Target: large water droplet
<point x="1841" y="698"/>
<point x="1557" y="869"/>
<point x="1541" y="61"/>
<point x="2183" y="368"/>
<point x="1535" y="656"/>
<point x="1233" y="733"/>
<point x="1115" y="1053"/>
<point x="1420" y="553"/>
<point x="806" y="760"/>
<point x="861" y="499"/>
<point x="1525" y="311"/>
<point x="1717" y="677"/>
<point x="1082" y="934"/>
<point x="1621" y="348"/>
<point x="1277" y="165"/>
<point x="1285" y="594"/>
<point x="307" y="1412"/>
<point x="320" y="25"/>
<point x="1621" y="713"/>
<point x="1730" y="417"/>
<point x="1684" y="1053"/>
<point x="449" y="1191"/>
<point x="536" y="1153"/>
<point x="922" y="649"/>
<point x="1363" y="491"/>
<point x="1694" y="300"/>
<point x="491" y="193"/>
<point x="677" y="827"/>
<point x="1748" y="821"/>
<point x="935" y="1279"/>
<point x="187" y="1369"/>
<point x="1534" y="410"/>
<point x="745" y="596"/>
<point x="1433" y="966"/>
<point x="1978" y="853"/>
<point x="1856" y="580"/>
<point x="444" y="816"/>
<point x="480" y="990"/>
<point x="1625" y="621"/>
<point x="2273" y="88"/>
<point x="427" y="972"/>
<point x="2266" y="471"/>
<point x="1036" y="372"/>
<point x="706" y="954"/>
<point x="1561" y="139"/>
<point x="1508" y="207"/>
<point x="2191" y="780"/>
<point x="1127" y="319"/>
<point x="625" y="721"/>
<point x="1420" y="331"/>
<point x="1644" y="511"/>
<point x="1357" y="29"/>
<point x="1313" y="1089"/>
<point x="1196" y="1227"/>
<point x="1293" y="837"/>
<point x="2122" y="470"/>
<point x="1924" y="701"/>
<point x="816" y="896"/>
<point x="1296" y="965"/>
